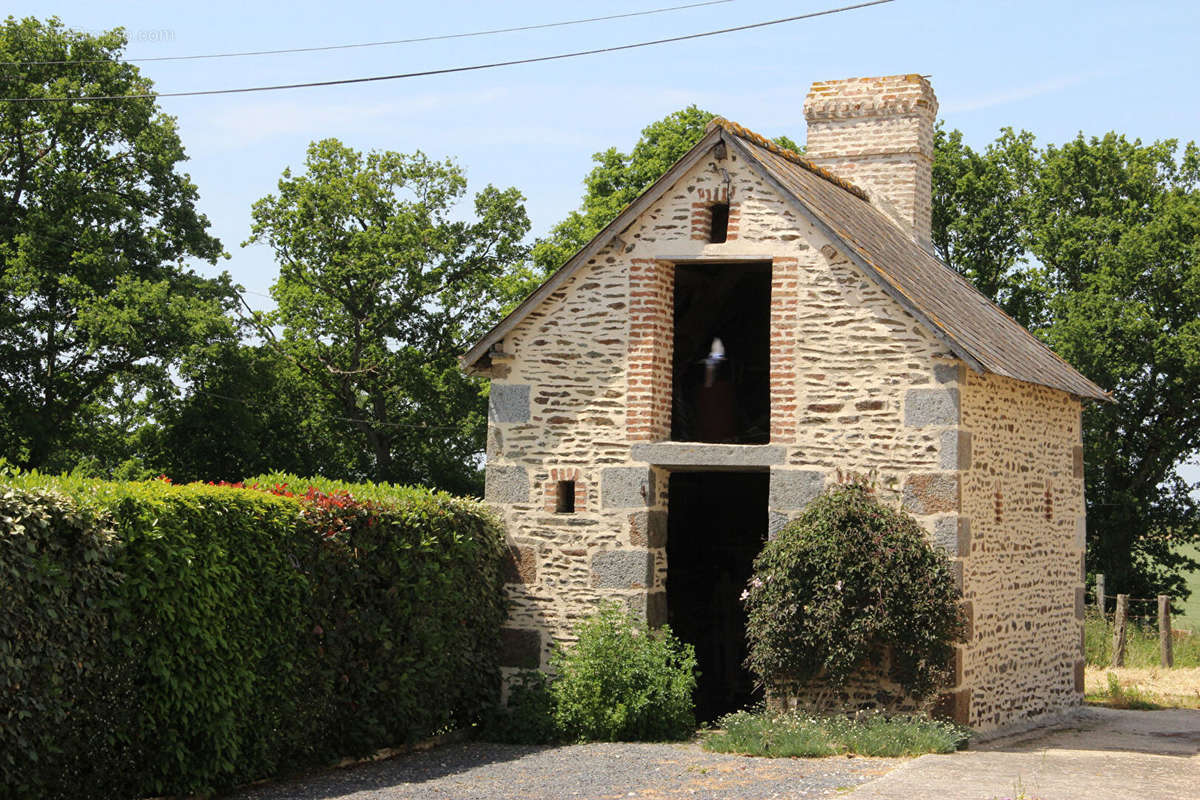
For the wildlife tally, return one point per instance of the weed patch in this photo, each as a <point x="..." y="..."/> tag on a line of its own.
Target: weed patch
<point x="1141" y="643"/>
<point x="784" y="735"/>
<point x="1143" y="689"/>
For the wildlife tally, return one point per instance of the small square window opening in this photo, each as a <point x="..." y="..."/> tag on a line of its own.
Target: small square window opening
<point x="565" y="498"/>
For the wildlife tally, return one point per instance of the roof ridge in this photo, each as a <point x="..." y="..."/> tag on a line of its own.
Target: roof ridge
<point x="743" y="132"/>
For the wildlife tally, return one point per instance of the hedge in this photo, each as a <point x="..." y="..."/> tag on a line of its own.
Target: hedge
<point x="159" y="639"/>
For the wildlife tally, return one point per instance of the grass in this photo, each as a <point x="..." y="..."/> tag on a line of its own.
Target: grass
<point x="1141" y="643"/>
<point x="1147" y="688"/>
<point x="1118" y="696"/>
<point x="785" y="735"/>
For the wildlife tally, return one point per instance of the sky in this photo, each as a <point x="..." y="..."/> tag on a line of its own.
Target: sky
<point x="1053" y="67"/>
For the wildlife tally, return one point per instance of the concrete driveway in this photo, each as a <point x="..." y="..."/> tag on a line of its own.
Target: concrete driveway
<point x="1101" y="754"/>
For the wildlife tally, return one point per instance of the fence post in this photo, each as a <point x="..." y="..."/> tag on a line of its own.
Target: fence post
<point x="1100" y="592"/>
<point x="1118" y="654"/>
<point x="1166" y="655"/>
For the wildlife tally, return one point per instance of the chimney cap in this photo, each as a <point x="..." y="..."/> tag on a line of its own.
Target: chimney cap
<point x="886" y="96"/>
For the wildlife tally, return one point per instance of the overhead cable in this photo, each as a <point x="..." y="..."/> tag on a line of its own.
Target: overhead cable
<point x="434" y="38"/>
<point x="449" y="70"/>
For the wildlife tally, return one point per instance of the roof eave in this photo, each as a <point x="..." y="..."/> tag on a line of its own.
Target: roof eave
<point x="1090" y="389"/>
<point x="470" y="360"/>
<point x="852" y="253"/>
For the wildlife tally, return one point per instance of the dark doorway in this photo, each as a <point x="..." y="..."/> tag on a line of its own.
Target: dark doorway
<point x="722" y="370"/>
<point x="716" y="525"/>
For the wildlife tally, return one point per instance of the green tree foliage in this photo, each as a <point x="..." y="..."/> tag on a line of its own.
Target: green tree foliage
<point x="381" y="287"/>
<point x="96" y="222"/>
<point x="618" y="178"/>
<point x="1095" y="246"/>
<point x="847" y="580"/>
<point x="281" y="419"/>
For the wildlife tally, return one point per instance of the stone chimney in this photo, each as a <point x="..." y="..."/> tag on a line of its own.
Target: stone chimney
<point x="878" y="134"/>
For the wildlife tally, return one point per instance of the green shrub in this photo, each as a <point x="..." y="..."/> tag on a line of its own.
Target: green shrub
<point x="623" y="682"/>
<point x="796" y="735"/>
<point x="528" y="717"/>
<point x="222" y="634"/>
<point x="64" y="696"/>
<point x="842" y="584"/>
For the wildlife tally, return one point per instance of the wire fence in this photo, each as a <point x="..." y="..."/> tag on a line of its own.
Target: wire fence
<point x="1121" y="617"/>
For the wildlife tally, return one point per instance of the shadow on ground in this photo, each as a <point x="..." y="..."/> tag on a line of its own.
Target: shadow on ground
<point x="1170" y="732"/>
<point x="476" y="770"/>
<point x="1101" y="754"/>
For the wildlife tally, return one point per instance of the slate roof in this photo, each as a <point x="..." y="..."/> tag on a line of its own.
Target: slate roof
<point x="971" y="325"/>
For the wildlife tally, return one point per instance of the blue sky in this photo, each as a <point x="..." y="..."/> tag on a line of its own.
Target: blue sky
<point x="1053" y="67"/>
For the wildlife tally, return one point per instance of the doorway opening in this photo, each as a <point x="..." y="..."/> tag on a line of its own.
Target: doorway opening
<point x="716" y="525"/>
<point x="722" y="372"/>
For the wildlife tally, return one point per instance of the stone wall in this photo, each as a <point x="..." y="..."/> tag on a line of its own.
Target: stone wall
<point x="1021" y="528"/>
<point x="582" y="391"/>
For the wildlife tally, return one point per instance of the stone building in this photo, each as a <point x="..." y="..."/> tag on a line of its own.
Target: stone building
<point x="753" y="328"/>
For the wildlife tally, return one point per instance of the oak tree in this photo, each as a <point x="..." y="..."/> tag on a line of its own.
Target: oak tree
<point x="382" y="285"/>
<point x="97" y="226"/>
<point x="1094" y="245"/>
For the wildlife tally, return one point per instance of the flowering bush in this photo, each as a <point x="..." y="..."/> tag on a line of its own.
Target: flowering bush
<point x="846" y="581"/>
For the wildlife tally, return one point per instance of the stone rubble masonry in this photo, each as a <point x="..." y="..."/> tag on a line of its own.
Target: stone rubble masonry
<point x="859" y="390"/>
<point x="595" y="362"/>
<point x="1022" y="576"/>
<point x="878" y="134"/>
<point x="521" y="564"/>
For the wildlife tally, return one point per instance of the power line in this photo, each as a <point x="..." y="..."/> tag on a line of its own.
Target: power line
<point x="435" y="38"/>
<point x="449" y="70"/>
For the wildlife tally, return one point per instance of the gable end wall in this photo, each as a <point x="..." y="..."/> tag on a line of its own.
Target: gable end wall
<point x="859" y="388"/>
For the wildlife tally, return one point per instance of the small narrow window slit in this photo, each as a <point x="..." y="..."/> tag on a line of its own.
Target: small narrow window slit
<point x="720" y="223"/>
<point x="565" y="498"/>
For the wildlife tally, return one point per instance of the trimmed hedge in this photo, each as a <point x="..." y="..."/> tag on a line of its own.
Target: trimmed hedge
<point x="159" y="639"/>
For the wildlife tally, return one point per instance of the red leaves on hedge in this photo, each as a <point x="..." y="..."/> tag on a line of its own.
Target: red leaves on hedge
<point x="331" y="512"/>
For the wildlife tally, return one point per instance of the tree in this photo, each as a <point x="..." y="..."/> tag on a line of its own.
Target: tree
<point x="381" y="288"/>
<point x="247" y="410"/>
<point x="96" y="222"/>
<point x="618" y="179"/>
<point x="1095" y="246"/>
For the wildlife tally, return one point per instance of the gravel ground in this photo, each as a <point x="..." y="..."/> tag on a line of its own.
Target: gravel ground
<point x="481" y="771"/>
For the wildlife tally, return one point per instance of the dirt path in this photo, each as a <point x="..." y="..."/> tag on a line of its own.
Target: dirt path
<point x="1105" y="754"/>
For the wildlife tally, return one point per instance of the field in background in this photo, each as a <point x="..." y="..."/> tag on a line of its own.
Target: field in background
<point x="1191" y="607"/>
